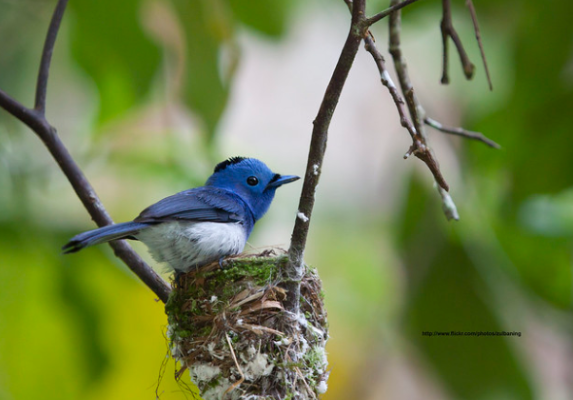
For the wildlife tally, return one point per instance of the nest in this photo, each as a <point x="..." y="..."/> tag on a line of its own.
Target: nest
<point x="230" y="329"/>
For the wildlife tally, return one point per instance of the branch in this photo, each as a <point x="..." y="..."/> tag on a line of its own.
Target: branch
<point x="295" y="268"/>
<point x="399" y="61"/>
<point x="461" y="132"/>
<point x="383" y="14"/>
<point x="420" y="147"/>
<point x="36" y="121"/>
<point x="32" y="118"/>
<point x="470" y="5"/>
<point x="389" y="83"/>
<point x="42" y="83"/>
<point x="448" y="30"/>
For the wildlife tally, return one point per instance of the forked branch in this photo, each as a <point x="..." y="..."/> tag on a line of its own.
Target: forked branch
<point x="448" y="31"/>
<point x="35" y="119"/>
<point x="420" y="146"/>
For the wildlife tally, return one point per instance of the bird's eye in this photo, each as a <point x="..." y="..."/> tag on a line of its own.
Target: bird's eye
<point x="252" y="180"/>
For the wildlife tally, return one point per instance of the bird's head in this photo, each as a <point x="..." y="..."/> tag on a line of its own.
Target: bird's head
<point x="251" y="179"/>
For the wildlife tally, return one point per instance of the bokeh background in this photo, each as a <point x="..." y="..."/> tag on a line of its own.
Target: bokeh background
<point x="150" y="94"/>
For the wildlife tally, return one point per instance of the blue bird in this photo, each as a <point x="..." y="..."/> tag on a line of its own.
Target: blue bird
<point x="201" y="225"/>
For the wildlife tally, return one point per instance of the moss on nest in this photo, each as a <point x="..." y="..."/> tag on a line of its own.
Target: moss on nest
<point x="229" y="327"/>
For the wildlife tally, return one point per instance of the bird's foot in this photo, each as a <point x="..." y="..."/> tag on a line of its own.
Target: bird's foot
<point x="223" y="264"/>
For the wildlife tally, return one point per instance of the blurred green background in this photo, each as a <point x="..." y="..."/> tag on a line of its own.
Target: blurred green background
<point x="150" y="94"/>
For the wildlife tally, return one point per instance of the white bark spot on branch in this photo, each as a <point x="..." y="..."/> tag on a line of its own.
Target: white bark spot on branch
<point x="387" y="79"/>
<point x="302" y="217"/>
<point x="448" y="205"/>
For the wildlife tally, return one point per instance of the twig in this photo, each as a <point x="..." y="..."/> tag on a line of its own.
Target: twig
<point x="411" y="102"/>
<point x="448" y="30"/>
<point x="383" y="14"/>
<point x="420" y="147"/>
<point x="36" y="121"/>
<point x="295" y="268"/>
<point x="238" y="383"/>
<point x="400" y="62"/>
<point x="389" y="83"/>
<point x="308" y="388"/>
<point x="461" y="132"/>
<point x="42" y="83"/>
<point x="470" y="5"/>
<point x="30" y="117"/>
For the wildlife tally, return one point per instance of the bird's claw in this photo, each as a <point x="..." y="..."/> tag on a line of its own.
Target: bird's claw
<point x="221" y="263"/>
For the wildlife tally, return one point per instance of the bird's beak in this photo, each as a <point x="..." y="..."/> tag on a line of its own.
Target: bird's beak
<point x="279" y="180"/>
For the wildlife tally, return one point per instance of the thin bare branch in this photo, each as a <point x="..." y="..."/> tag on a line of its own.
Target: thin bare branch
<point x="42" y="83"/>
<point x="36" y="121"/>
<point x="448" y="30"/>
<point x="461" y="132"/>
<point x="420" y="148"/>
<point x="295" y="268"/>
<point x="400" y="65"/>
<point x="30" y="117"/>
<point x="470" y="5"/>
<point x="411" y="101"/>
<point x="383" y="14"/>
<point x="387" y="81"/>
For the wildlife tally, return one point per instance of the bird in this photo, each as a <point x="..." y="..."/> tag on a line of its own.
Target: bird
<point x="202" y="225"/>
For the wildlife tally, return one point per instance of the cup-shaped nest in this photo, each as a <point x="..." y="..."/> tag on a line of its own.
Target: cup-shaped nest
<point x="230" y="327"/>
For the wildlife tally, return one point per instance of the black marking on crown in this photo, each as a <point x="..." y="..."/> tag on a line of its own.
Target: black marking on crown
<point x="230" y="161"/>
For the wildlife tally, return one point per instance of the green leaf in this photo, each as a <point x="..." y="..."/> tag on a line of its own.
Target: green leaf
<point x="532" y="176"/>
<point x="109" y="43"/>
<point x="207" y="26"/>
<point x="265" y="16"/>
<point x="546" y="215"/>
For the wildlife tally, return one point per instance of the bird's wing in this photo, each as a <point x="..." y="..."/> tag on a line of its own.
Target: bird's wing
<point x="199" y="204"/>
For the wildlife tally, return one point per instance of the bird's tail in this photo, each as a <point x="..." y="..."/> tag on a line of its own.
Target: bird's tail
<point x="103" y="235"/>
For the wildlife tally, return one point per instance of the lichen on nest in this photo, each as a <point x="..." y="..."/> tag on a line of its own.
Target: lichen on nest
<point x="230" y="329"/>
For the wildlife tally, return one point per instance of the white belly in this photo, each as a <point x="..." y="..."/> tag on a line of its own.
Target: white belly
<point x="187" y="245"/>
